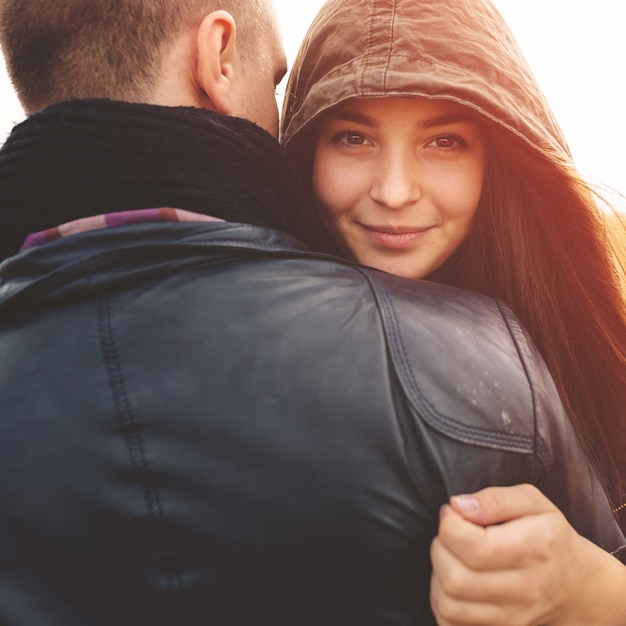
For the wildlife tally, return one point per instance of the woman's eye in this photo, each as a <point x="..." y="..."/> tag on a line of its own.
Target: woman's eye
<point x="350" y="139"/>
<point x="448" y="142"/>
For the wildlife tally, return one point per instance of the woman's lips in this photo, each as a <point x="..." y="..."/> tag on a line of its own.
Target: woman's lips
<point x="395" y="237"/>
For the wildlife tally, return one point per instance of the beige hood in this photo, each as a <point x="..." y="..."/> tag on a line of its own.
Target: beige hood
<point x="460" y="50"/>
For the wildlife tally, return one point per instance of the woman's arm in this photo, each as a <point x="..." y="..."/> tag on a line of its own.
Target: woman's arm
<point x="506" y="555"/>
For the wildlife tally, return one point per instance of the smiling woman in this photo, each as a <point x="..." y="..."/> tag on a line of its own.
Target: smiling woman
<point x="375" y="159"/>
<point x="436" y="155"/>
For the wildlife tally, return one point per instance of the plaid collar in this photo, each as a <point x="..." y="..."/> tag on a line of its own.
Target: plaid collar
<point x="111" y="220"/>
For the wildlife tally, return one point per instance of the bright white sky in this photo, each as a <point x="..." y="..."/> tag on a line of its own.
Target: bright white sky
<point x="576" y="48"/>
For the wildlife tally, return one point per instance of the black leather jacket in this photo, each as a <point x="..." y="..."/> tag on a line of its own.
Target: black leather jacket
<point x="206" y="424"/>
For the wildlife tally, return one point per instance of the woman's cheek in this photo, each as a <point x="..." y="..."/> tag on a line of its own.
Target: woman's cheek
<point x="327" y="185"/>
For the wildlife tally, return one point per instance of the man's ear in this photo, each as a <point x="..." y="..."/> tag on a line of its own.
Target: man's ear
<point x="218" y="59"/>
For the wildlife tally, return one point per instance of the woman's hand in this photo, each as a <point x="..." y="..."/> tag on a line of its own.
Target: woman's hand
<point x="507" y="555"/>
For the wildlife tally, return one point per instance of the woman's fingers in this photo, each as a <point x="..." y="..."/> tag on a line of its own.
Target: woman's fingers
<point x="524" y="569"/>
<point x="516" y="544"/>
<point x="495" y="505"/>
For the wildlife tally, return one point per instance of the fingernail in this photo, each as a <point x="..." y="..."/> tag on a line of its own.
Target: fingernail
<point x="467" y="504"/>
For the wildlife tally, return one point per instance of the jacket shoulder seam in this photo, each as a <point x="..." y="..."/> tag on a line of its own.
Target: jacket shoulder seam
<point x="441" y="422"/>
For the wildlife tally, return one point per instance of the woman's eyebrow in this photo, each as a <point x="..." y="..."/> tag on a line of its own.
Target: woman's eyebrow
<point x="429" y="122"/>
<point x="357" y="118"/>
<point x="444" y="120"/>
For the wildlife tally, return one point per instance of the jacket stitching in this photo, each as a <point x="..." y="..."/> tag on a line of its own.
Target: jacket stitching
<point x="368" y="48"/>
<point x="541" y="449"/>
<point x="390" y="45"/>
<point x="131" y="430"/>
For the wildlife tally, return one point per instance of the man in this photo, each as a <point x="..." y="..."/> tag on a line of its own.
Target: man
<point x="202" y="420"/>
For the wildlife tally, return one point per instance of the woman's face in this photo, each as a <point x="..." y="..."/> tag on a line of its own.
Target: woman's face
<point x="401" y="179"/>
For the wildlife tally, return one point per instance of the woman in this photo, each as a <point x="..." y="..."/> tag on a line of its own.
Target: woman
<point x="376" y="117"/>
<point x="433" y="151"/>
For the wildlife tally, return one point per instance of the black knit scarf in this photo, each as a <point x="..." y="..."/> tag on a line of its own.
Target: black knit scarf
<point x="84" y="158"/>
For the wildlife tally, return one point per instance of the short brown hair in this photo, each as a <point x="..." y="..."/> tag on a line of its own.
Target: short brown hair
<point x="70" y="49"/>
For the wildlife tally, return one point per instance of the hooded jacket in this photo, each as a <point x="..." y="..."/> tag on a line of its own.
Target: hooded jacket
<point x="460" y="50"/>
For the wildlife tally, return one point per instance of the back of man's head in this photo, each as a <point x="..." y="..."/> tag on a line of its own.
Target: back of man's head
<point x="68" y="49"/>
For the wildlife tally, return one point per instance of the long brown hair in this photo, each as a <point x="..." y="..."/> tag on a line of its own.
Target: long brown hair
<point x="542" y="244"/>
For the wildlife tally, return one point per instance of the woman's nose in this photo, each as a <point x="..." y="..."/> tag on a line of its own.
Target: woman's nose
<point x="396" y="183"/>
